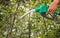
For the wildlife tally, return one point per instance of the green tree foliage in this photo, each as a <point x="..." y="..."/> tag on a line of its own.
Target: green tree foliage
<point x="31" y="26"/>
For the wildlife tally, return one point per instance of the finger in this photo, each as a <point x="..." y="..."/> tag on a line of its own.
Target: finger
<point x="53" y="10"/>
<point x="50" y="10"/>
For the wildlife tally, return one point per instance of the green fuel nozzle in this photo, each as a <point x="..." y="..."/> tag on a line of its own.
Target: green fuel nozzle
<point x="42" y="8"/>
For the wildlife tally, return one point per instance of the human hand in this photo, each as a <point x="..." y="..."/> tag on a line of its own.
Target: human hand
<point x="52" y="8"/>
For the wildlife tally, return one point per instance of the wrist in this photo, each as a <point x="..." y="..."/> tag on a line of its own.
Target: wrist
<point x="56" y="1"/>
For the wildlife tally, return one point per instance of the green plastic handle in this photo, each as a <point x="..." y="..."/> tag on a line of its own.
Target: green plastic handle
<point x="43" y="8"/>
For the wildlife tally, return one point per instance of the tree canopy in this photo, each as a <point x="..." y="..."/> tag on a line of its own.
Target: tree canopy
<point x="31" y="26"/>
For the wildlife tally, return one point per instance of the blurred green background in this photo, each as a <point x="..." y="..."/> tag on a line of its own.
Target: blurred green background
<point x="31" y="26"/>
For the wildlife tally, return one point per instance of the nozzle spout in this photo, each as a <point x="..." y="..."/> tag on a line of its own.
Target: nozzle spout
<point x="33" y="10"/>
